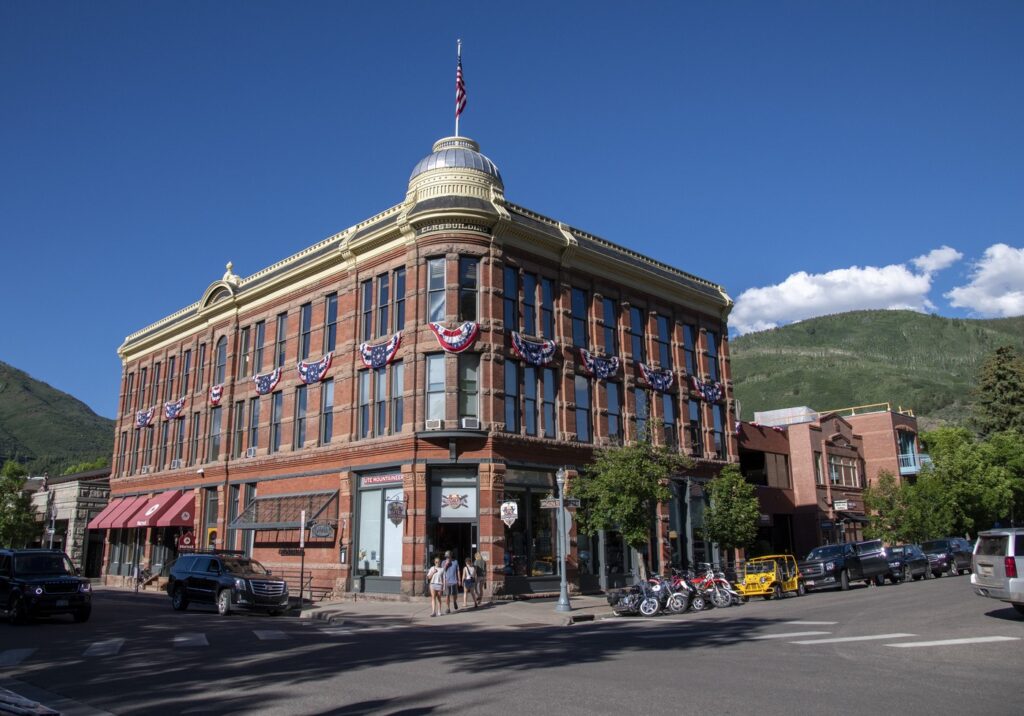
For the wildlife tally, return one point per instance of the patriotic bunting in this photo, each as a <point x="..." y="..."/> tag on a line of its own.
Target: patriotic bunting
<point x="660" y="380"/>
<point x="175" y="409"/>
<point x="266" y="382"/>
<point x="456" y="340"/>
<point x="144" y="417"/>
<point x="315" y="371"/>
<point x="381" y="354"/>
<point x="533" y="352"/>
<point x="710" y="390"/>
<point x="216" y="392"/>
<point x="600" y="368"/>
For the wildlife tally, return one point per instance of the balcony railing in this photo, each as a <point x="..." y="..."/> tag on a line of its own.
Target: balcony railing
<point x="912" y="462"/>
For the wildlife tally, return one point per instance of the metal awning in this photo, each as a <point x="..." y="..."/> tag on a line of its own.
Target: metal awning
<point x="282" y="512"/>
<point x="853" y="517"/>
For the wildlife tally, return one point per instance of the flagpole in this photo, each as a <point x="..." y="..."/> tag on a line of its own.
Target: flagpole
<point x="459" y="54"/>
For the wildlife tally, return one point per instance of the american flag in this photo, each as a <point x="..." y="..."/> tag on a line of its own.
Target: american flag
<point x="460" y="89"/>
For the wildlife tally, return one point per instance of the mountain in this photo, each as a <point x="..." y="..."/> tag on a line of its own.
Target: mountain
<point x="47" y="429"/>
<point x="911" y="360"/>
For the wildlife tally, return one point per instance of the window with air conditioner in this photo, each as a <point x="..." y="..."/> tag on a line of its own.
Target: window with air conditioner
<point x="435" y="424"/>
<point x="471" y="423"/>
<point x="250" y="452"/>
<point x="175" y="464"/>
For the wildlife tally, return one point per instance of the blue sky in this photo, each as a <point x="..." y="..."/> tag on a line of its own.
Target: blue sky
<point x="810" y="156"/>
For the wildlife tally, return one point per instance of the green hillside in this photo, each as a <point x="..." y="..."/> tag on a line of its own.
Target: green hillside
<point x="46" y="429"/>
<point x="927" y="363"/>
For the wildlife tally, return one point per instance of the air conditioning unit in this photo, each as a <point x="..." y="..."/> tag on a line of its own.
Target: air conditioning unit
<point x="145" y="470"/>
<point x="250" y="452"/>
<point x="435" y="424"/>
<point x="175" y="464"/>
<point x="471" y="423"/>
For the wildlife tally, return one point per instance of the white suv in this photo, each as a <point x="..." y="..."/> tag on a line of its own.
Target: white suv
<point x="999" y="566"/>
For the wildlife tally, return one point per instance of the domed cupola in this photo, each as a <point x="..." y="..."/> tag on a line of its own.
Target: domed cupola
<point x="455" y="167"/>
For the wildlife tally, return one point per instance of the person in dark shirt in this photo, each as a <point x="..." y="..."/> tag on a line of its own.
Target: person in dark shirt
<point x="451" y="583"/>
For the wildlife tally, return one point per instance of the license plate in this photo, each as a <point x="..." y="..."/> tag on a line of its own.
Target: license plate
<point x="62" y="602"/>
<point x="984" y="571"/>
<point x="809" y="582"/>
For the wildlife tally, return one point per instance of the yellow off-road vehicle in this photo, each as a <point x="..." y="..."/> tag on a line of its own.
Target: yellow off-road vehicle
<point x="770" y="577"/>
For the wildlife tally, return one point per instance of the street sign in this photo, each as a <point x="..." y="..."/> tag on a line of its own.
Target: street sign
<point x="549" y="503"/>
<point x="572" y="502"/>
<point x="841" y="505"/>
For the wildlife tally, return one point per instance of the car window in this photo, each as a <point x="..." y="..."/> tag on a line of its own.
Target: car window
<point x="868" y="547"/>
<point x="243" y="566"/>
<point x="213" y="566"/>
<point x="1018" y="545"/>
<point x="40" y="564"/>
<point x="938" y="545"/>
<point x="826" y="552"/>
<point x="5" y="565"/>
<point x="992" y="545"/>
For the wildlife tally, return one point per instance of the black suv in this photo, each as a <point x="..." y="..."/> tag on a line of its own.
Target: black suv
<point x="228" y="580"/>
<point x="837" y="565"/>
<point x="42" y="582"/>
<point x="951" y="555"/>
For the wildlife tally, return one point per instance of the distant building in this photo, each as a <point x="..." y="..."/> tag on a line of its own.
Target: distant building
<point x="65" y="505"/>
<point x="812" y="468"/>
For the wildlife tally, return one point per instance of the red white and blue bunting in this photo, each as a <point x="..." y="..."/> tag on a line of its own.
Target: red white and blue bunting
<point x="175" y="409"/>
<point x="533" y="352"/>
<point x="456" y="340"/>
<point x="660" y="380"/>
<point x="216" y="393"/>
<point x="267" y="382"/>
<point x="381" y="354"/>
<point x="710" y="390"/>
<point x="315" y="371"/>
<point x="600" y="368"/>
<point x="144" y="417"/>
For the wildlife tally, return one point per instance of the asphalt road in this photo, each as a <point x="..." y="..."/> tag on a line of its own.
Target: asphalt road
<point x="909" y="647"/>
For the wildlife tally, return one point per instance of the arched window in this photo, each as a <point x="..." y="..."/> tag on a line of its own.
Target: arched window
<point x="222" y="360"/>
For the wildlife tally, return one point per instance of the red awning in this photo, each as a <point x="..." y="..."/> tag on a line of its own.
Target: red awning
<point x="182" y="512"/>
<point x="96" y="523"/>
<point x="153" y="509"/>
<point x="123" y="519"/>
<point x="110" y="521"/>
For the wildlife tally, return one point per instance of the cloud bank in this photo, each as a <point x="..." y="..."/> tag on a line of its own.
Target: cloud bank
<point x="996" y="288"/>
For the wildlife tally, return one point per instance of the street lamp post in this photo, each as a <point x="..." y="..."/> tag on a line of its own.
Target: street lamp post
<point x="563" y="594"/>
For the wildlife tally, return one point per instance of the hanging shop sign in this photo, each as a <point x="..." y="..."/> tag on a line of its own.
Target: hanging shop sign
<point x="455" y="503"/>
<point x="396" y="511"/>
<point x="322" y="530"/>
<point x="509" y="512"/>
<point x="187" y="540"/>
<point x="841" y="505"/>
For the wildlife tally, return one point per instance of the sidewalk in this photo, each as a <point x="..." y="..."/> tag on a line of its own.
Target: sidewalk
<point x="372" y="613"/>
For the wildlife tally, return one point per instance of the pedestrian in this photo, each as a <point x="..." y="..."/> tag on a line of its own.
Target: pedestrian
<point x="469" y="584"/>
<point x="435" y="577"/>
<point x="451" y="583"/>
<point x="481" y="575"/>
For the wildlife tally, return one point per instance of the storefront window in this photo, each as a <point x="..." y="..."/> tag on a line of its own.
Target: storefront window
<point x="379" y="549"/>
<point x="530" y="543"/>
<point x="370" y="517"/>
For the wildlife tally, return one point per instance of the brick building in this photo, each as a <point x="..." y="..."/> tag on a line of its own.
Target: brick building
<point x="400" y="380"/>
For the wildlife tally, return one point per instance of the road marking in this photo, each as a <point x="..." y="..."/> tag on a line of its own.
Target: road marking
<point x="104" y="648"/>
<point x="13" y="657"/>
<point x="811" y="623"/>
<point x="837" y="640"/>
<point x="268" y="634"/>
<point x="955" y="642"/>
<point x="790" y="634"/>
<point x="187" y="639"/>
<point x="335" y="631"/>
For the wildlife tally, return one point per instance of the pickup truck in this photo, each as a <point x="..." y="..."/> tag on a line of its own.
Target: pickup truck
<point x="837" y="565"/>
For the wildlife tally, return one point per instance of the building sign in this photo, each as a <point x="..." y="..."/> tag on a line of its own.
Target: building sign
<point x="187" y="540"/>
<point x="454" y="503"/>
<point x="373" y="480"/>
<point x="765" y="519"/>
<point x="549" y="503"/>
<point x="396" y="511"/>
<point x="322" y="530"/>
<point x="509" y="512"/>
<point x="841" y="505"/>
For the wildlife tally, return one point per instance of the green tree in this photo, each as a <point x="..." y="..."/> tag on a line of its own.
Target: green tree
<point x="927" y="510"/>
<point x="1007" y="450"/>
<point x="732" y="517"/>
<point x="87" y="465"/>
<point x="999" y="396"/>
<point x="17" y="519"/>
<point x="622" y="489"/>
<point x="886" y="504"/>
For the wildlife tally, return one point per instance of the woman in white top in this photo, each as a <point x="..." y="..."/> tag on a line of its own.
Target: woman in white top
<point x="435" y="576"/>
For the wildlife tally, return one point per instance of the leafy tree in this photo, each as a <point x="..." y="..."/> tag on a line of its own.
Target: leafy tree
<point x="886" y="503"/>
<point x="17" y="519"/>
<point x="622" y="489"/>
<point x="87" y="465"/>
<point x="731" y="519"/>
<point x="1007" y="449"/>
<point x="999" y="397"/>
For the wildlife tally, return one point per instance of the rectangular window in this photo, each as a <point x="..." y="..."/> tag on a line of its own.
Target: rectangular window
<point x="383" y="304"/>
<point x="366" y="294"/>
<point x="129" y="388"/>
<point x="469" y="386"/>
<point x="530" y="304"/>
<point x="365" y="424"/>
<point x="179" y="440"/>
<point x="280" y="354"/>
<point x="510" y="299"/>
<point x="696" y="429"/>
<point x="380" y="401"/>
<point x="669" y="419"/>
<point x="718" y="415"/>
<point x="220" y="361"/>
<point x="583" y="409"/>
<point x="530" y="399"/>
<point x="254" y="422"/>
<point x="511" y="396"/>
<point x="193" y="445"/>
<point x="614" y="398"/>
<point x="469" y="285"/>
<point x="610" y="310"/>
<point x="257" y="342"/>
<point x="819" y="477"/>
<point x="135" y="452"/>
<point x="229" y="536"/>
<point x="238" y="444"/>
<point x="547" y="308"/>
<point x="305" y="329"/>
<point x="326" y="411"/>
<point x="663" y="341"/>
<point x="843" y="471"/>
<point x="276" y="409"/>
<point x="636" y="335"/>
<point x="161" y="456"/>
<point x="397" y="397"/>
<point x="435" y="386"/>
<point x="201" y="369"/>
<point x="643" y="412"/>
<point x="248" y="535"/>
<point x="690" y="348"/>
<point x="550" y="390"/>
<point x="399" y="299"/>
<point x="579" y="317"/>
<point x="147" y="447"/>
<point x="157" y="367"/>
<point x="213" y="440"/>
<point x="122" y="451"/>
<point x="299" y="427"/>
<point x="435" y="290"/>
<point x="142" y="389"/>
<point x="171" y="375"/>
<point x="186" y="366"/>
<point x="330" y="322"/>
<point x="712" y="339"/>
<point x="243" y="354"/>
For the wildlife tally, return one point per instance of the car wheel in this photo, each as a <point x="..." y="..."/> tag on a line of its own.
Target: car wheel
<point x="879" y="580"/>
<point x="17" y="611"/>
<point x="801" y="590"/>
<point x="178" y="600"/>
<point x="776" y="591"/>
<point x="844" y="580"/>
<point x="82" y="615"/>
<point x="953" y="571"/>
<point x="1019" y="608"/>
<point x="224" y="602"/>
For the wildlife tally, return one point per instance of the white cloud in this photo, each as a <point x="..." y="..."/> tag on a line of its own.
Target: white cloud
<point x="997" y="284"/>
<point x="803" y="295"/>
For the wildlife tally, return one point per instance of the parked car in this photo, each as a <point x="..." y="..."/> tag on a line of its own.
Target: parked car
<point x="998" y="564"/>
<point x="837" y="565"/>
<point x="906" y="562"/>
<point x="951" y="555"/>
<point x="770" y="577"/>
<point x="228" y="580"/>
<point x="42" y="582"/>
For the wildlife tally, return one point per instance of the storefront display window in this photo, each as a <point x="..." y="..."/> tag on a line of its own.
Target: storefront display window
<point x="530" y="549"/>
<point x="379" y="549"/>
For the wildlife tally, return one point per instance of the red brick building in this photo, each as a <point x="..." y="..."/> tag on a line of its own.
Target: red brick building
<point x="401" y="380"/>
